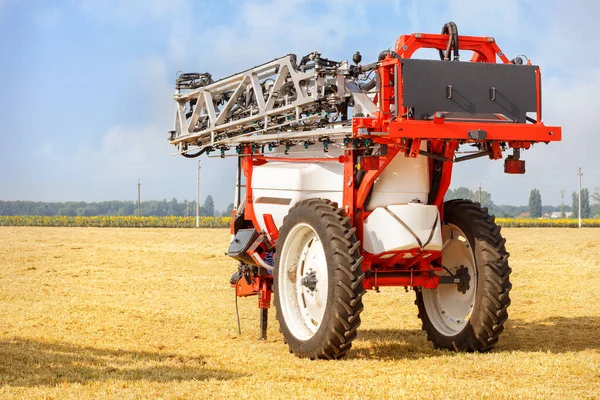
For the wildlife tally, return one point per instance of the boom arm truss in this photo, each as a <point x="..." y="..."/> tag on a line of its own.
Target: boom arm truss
<point x="274" y="98"/>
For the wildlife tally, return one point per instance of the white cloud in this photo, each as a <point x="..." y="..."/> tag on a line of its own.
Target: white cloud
<point x="177" y="15"/>
<point x="505" y="16"/>
<point x="258" y="31"/>
<point x="127" y="152"/>
<point x="131" y="13"/>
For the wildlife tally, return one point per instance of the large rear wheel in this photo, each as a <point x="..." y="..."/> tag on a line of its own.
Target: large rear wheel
<point x="318" y="280"/>
<point x="469" y="316"/>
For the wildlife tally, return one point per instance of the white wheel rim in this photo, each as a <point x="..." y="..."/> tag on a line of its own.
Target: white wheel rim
<point x="302" y="256"/>
<point x="449" y="309"/>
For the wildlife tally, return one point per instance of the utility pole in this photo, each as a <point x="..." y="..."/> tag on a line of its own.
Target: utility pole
<point x="579" y="175"/>
<point x="187" y="208"/>
<point x="198" y="199"/>
<point x="480" y="193"/>
<point x="139" y="204"/>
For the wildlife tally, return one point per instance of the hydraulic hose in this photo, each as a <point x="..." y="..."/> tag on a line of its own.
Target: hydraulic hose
<point x="455" y="39"/>
<point x="194" y="155"/>
<point x="450" y="29"/>
<point x="366" y="86"/>
<point x="385" y="53"/>
<point x="368" y="67"/>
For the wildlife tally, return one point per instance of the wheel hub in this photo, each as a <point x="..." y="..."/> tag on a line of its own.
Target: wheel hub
<point x="310" y="281"/>
<point x="462" y="274"/>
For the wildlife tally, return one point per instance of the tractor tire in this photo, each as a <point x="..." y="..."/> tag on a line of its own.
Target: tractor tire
<point x="468" y="317"/>
<point x="317" y="280"/>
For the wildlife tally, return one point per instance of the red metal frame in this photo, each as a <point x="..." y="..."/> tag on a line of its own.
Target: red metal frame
<point x="485" y="49"/>
<point x="402" y="134"/>
<point x="259" y="284"/>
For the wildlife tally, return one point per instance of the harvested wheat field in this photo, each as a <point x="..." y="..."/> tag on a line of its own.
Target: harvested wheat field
<point x="148" y="313"/>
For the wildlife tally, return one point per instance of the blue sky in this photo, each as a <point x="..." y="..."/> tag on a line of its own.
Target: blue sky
<point x="86" y="86"/>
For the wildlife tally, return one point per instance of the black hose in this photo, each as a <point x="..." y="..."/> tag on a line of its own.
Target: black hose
<point x="194" y="155"/>
<point x="442" y="52"/>
<point x="450" y="29"/>
<point x="368" y="67"/>
<point x="384" y="53"/>
<point x="455" y="39"/>
<point x="445" y="55"/>
<point x="366" y="86"/>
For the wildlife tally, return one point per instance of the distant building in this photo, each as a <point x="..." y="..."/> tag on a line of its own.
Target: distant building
<point x="558" y="214"/>
<point x="524" y="215"/>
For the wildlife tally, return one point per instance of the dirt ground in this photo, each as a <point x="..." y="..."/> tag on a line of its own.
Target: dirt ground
<point x="148" y="313"/>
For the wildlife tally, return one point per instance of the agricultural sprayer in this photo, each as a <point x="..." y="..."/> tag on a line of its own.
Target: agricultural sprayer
<point x="342" y="172"/>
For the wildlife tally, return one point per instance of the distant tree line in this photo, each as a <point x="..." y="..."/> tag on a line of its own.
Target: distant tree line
<point x="188" y="208"/>
<point x="536" y="210"/>
<point x="106" y="208"/>
<point x="501" y="211"/>
<point x="479" y="196"/>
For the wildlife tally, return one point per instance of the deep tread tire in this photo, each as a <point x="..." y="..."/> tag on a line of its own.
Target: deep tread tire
<point x="345" y="290"/>
<point x="492" y="299"/>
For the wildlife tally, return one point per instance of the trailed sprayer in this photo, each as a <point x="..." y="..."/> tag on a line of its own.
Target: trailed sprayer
<point x="342" y="172"/>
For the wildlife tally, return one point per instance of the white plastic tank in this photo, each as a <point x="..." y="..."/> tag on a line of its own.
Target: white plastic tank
<point x="278" y="185"/>
<point x="405" y="179"/>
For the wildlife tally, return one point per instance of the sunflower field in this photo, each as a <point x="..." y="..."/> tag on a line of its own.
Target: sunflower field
<point x="224" y="222"/>
<point x="547" y="223"/>
<point x="116" y="221"/>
